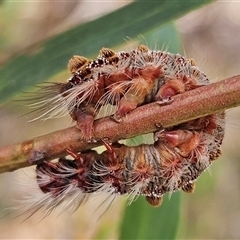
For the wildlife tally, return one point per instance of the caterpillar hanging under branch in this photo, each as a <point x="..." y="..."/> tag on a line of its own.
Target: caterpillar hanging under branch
<point x="176" y="159"/>
<point x="123" y="79"/>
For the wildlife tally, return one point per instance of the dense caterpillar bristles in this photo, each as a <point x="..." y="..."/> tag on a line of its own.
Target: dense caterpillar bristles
<point x="176" y="159"/>
<point x="76" y="63"/>
<point x="123" y="79"/>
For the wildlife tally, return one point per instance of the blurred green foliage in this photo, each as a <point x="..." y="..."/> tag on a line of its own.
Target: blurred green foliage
<point x="50" y="57"/>
<point x="142" y="221"/>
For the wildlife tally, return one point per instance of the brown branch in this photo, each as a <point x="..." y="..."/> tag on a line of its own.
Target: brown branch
<point x="197" y="103"/>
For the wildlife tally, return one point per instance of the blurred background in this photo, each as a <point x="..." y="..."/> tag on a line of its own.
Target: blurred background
<point x="210" y="36"/>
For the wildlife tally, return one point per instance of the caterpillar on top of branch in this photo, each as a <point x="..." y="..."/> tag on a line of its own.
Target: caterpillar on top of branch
<point x="126" y="79"/>
<point x="123" y="79"/>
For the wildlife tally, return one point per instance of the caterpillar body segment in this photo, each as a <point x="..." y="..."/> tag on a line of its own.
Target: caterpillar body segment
<point x="123" y="79"/>
<point x="176" y="159"/>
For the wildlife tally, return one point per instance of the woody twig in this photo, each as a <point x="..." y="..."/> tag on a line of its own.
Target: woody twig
<point x="190" y="105"/>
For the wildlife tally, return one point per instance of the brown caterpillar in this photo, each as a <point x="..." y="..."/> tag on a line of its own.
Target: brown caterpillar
<point x="123" y="79"/>
<point x="176" y="159"/>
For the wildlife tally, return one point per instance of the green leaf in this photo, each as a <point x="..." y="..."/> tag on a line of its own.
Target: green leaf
<point x="87" y="39"/>
<point x="142" y="221"/>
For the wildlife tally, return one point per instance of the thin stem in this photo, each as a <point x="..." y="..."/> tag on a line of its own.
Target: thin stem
<point x="190" y="105"/>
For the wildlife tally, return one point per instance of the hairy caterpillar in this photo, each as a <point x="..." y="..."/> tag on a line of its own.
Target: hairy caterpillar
<point x="123" y="79"/>
<point x="126" y="79"/>
<point x="175" y="160"/>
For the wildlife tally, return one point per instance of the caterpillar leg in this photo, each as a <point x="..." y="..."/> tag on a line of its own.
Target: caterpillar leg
<point x="183" y="141"/>
<point x="84" y="121"/>
<point x="85" y="124"/>
<point x="169" y="89"/>
<point x="111" y="154"/>
<point x="142" y="84"/>
<point x="77" y="156"/>
<point x="127" y="103"/>
<point x="133" y="97"/>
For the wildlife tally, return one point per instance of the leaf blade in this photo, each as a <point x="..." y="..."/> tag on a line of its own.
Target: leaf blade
<point x="142" y="221"/>
<point x="87" y="39"/>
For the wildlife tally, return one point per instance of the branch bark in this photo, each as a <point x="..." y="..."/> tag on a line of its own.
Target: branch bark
<point x="190" y="105"/>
